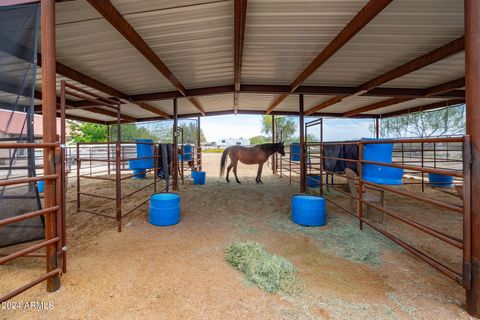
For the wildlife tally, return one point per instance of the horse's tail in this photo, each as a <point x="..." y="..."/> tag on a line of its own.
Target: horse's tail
<point x="223" y="161"/>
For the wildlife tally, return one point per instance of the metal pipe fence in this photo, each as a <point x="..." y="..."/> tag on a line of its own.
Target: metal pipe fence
<point x="417" y="157"/>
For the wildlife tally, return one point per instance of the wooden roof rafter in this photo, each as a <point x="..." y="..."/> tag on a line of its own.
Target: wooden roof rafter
<point x="426" y="107"/>
<point x="115" y="18"/>
<point x="429" y="58"/>
<point x="429" y="92"/>
<point x="361" y="19"/>
<point x="240" y="15"/>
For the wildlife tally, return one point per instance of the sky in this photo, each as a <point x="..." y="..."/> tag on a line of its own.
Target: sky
<point x="247" y="126"/>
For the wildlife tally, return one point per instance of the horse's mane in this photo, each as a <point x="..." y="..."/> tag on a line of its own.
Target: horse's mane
<point x="269" y="146"/>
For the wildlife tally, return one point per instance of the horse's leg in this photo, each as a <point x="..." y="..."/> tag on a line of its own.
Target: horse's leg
<point x="228" y="170"/>
<point x="235" y="170"/>
<point x="259" y="173"/>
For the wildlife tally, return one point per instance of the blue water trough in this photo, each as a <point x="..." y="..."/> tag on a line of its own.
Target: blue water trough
<point x="144" y="149"/>
<point x="440" y="180"/>
<point x="380" y="174"/>
<point x="308" y="210"/>
<point x="199" y="177"/>
<point x="164" y="209"/>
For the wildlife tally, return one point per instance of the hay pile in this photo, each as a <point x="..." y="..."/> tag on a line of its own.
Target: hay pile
<point x="267" y="271"/>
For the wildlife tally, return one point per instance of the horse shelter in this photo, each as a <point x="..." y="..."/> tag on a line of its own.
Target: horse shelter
<point x="163" y="63"/>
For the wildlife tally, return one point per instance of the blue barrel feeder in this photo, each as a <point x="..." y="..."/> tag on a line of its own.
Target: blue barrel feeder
<point x="144" y="149"/>
<point x="164" y="209"/>
<point x="308" y="210"/>
<point x="295" y="151"/>
<point x="139" y="174"/>
<point x="313" y="180"/>
<point x="380" y="174"/>
<point x="41" y="186"/>
<point x="199" y="177"/>
<point x="187" y="152"/>
<point x="440" y="180"/>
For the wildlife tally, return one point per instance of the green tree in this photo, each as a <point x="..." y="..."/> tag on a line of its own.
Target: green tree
<point x="259" y="140"/>
<point x="87" y="132"/>
<point x="190" y="133"/>
<point x="446" y="121"/>
<point x="283" y="124"/>
<point x="131" y="132"/>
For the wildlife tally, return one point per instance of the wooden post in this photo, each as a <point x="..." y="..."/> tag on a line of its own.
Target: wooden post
<point x="175" y="146"/>
<point x="377" y="128"/>
<point x="63" y="182"/>
<point x="108" y="148"/>
<point x="198" y="163"/>
<point x="472" y="84"/>
<point x="274" y="157"/>
<point x="303" y="175"/>
<point x="118" y="172"/>
<point x="49" y="112"/>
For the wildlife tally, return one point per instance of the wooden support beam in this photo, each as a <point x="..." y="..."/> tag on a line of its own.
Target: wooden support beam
<point x="85" y="80"/>
<point x="427" y="59"/>
<point x="111" y="114"/>
<point x="152" y="109"/>
<point x="49" y="136"/>
<point x="413" y="65"/>
<point x="425" y="107"/>
<point x="445" y="87"/>
<point x="281" y="89"/>
<point x="83" y="119"/>
<point x="363" y="17"/>
<point x="429" y="92"/>
<point x="375" y="106"/>
<point x="303" y="149"/>
<point x="240" y="15"/>
<point x="471" y="217"/>
<point x="111" y="14"/>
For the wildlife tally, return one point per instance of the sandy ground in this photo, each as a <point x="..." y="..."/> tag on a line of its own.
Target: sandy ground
<point x="180" y="272"/>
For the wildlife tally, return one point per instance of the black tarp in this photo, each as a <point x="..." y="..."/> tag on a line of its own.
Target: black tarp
<point x="344" y="151"/>
<point x="19" y="27"/>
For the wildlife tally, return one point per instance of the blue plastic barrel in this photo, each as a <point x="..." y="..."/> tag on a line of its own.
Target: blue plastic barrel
<point x="295" y="151"/>
<point x="380" y="174"/>
<point x="139" y="174"/>
<point x="41" y="186"/>
<point x="313" y="181"/>
<point x="164" y="209"/>
<point x="308" y="210"/>
<point x="199" y="177"/>
<point x="145" y="149"/>
<point x="187" y="152"/>
<point x="440" y="180"/>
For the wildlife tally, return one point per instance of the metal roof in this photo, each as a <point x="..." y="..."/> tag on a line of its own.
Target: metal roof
<point x="196" y="41"/>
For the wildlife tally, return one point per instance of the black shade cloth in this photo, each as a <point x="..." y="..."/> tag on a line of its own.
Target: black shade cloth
<point x="18" y="64"/>
<point x="344" y="151"/>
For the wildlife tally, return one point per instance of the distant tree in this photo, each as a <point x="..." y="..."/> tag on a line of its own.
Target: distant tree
<point x="87" y="132"/>
<point x="447" y="121"/>
<point x="131" y="132"/>
<point x="283" y="124"/>
<point x="190" y="133"/>
<point x="259" y="140"/>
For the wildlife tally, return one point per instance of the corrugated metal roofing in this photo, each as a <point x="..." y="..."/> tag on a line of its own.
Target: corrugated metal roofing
<point x="195" y="39"/>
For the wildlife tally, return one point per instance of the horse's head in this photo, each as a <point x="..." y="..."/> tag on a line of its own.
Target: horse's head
<point x="281" y="149"/>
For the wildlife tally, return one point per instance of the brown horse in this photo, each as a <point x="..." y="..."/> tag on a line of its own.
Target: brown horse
<point x="249" y="155"/>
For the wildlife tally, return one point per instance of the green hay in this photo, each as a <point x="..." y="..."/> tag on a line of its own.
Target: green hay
<point x="267" y="271"/>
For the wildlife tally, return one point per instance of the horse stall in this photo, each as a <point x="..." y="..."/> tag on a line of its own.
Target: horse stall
<point x="400" y="212"/>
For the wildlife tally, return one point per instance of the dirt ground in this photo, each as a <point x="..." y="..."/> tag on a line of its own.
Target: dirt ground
<point x="179" y="272"/>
